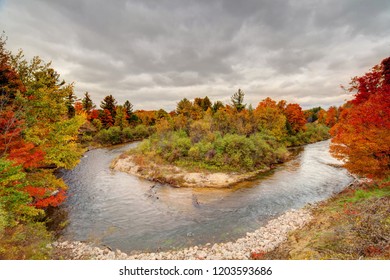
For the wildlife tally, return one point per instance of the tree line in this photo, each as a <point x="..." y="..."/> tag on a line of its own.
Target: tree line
<point x="234" y="136"/>
<point x="43" y="127"/>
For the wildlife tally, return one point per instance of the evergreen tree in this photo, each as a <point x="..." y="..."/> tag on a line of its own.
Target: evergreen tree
<point x="109" y="103"/>
<point x="129" y="111"/>
<point x="87" y="103"/>
<point x="217" y="105"/>
<point x="70" y="100"/>
<point x="238" y="100"/>
<point x="206" y="103"/>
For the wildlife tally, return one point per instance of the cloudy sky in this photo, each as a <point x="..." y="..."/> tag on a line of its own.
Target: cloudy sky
<point x="156" y="52"/>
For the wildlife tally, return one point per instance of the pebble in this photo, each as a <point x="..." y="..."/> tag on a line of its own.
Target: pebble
<point x="264" y="239"/>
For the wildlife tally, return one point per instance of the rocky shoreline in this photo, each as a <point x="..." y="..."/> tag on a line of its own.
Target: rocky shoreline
<point x="262" y="240"/>
<point x="179" y="177"/>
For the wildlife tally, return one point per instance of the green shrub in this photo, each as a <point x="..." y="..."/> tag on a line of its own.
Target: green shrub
<point x="97" y="123"/>
<point x="86" y="138"/>
<point x="315" y="132"/>
<point x="228" y="152"/>
<point x="239" y="151"/>
<point x="128" y="134"/>
<point x="112" y="135"/>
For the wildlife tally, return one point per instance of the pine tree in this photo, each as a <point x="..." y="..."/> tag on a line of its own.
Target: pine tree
<point x="109" y="103"/>
<point x="129" y="111"/>
<point x="70" y="100"/>
<point x="238" y="100"/>
<point x="87" y="103"/>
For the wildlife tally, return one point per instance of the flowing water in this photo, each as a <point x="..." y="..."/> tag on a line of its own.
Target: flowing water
<point x="131" y="214"/>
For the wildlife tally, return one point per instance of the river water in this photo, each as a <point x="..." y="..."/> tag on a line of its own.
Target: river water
<point x="124" y="212"/>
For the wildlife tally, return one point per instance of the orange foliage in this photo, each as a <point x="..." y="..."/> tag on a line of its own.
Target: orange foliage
<point x="295" y="117"/>
<point x="331" y="116"/>
<point x="78" y="107"/>
<point x="362" y="135"/>
<point x="13" y="145"/>
<point x="106" y="118"/>
<point x="147" y="117"/>
<point x="42" y="197"/>
<point x="321" y="116"/>
<point x="93" y="114"/>
<point x="269" y="116"/>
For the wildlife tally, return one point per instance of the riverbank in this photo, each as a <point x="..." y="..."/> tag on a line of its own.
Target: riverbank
<point x="353" y="224"/>
<point x="177" y="176"/>
<point x="264" y="239"/>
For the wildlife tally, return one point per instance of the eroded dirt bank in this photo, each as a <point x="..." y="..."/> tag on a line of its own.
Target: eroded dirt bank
<point x="179" y="177"/>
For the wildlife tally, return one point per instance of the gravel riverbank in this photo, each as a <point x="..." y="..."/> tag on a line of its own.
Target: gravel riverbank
<point x="263" y="239"/>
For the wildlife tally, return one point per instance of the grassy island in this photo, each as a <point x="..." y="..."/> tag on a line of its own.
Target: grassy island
<point x="207" y="145"/>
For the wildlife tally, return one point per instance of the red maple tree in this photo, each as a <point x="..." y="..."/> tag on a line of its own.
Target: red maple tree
<point x="362" y="135"/>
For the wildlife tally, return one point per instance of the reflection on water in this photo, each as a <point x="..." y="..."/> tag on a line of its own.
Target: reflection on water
<point x="125" y="212"/>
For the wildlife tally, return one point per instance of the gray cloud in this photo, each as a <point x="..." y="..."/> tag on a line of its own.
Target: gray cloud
<point x="154" y="53"/>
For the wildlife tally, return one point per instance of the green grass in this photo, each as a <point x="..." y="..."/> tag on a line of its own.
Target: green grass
<point x="362" y="194"/>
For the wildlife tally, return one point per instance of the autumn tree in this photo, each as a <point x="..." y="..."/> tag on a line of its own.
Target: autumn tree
<point x="87" y="103"/>
<point x="109" y="103"/>
<point x="14" y="200"/>
<point x="146" y="117"/>
<point x="295" y="118"/>
<point x="36" y="129"/>
<point x="45" y="107"/>
<point x="361" y="137"/>
<point x="78" y="108"/>
<point x="184" y="107"/>
<point x="243" y="122"/>
<point x="331" y="116"/>
<point x="217" y="105"/>
<point x="46" y="122"/>
<point x="12" y="144"/>
<point x="269" y="118"/>
<point x="189" y="109"/>
<point x="321" y="115"/>
<point x="121" y="117"/>
<point x="203" y="103"/>
<point x="161" y="113"/>
<point x="222" y="120"/>
<point x="106" y="118"/>
<point x="238" y="100"/>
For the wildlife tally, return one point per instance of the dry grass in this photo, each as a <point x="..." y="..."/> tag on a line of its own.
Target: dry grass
<point x="353" y="225"/>
<point x="25" y="241"/>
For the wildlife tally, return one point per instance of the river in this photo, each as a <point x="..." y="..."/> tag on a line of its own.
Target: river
<point x="124" y="212"/>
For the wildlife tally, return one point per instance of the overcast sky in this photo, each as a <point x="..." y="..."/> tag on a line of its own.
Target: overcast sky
<point x="155" y="53"/>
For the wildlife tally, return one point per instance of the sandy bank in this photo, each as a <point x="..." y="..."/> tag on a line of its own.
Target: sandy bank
<point x="179" y="177"/>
